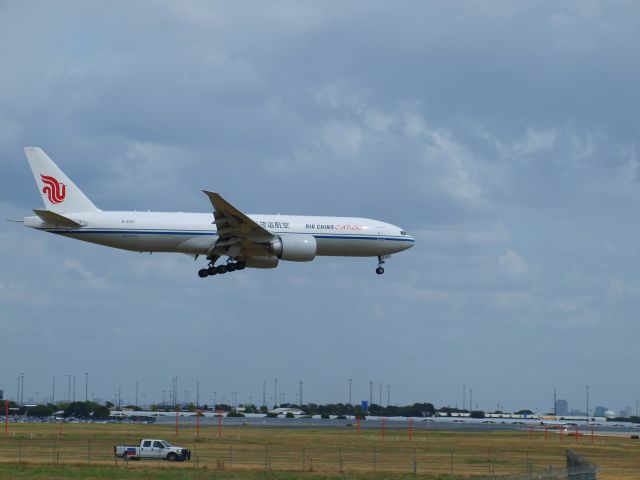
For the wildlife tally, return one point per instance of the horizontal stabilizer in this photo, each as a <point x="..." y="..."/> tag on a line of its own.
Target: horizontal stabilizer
<point x="56" y="219"/>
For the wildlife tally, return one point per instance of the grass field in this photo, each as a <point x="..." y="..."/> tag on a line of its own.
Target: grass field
<point x="86" y="451"/>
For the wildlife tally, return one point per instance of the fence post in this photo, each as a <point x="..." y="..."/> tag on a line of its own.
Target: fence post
<point x="19" y="450"/>
<point x="303" y="454"/>
<point x="340" y="459"/>
<point x="415" y="463"/>
<point x="374" y="458"/>
<point x="89" y="451"/>
<point x="451" y="466"/>
<point x="230" y="457"/>
<point x="266" y="457"/>
<point x="54" y="451"/>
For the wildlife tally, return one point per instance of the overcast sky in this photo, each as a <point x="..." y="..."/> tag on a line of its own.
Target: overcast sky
<point x="502" y="135"/>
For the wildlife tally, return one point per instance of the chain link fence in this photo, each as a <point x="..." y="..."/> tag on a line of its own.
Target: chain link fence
<point x="222" y="455"/>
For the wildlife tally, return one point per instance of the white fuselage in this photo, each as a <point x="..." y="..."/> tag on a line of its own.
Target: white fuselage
<point x="195" y="233"/>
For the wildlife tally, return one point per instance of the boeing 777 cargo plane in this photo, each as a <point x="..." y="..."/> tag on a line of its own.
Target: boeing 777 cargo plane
<point x="255" y="241"/>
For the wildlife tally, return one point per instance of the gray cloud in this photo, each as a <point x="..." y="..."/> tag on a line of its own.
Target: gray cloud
<point x="503" y="135"/>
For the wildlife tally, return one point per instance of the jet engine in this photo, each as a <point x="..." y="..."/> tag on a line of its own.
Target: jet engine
<point x="295" y="248"/>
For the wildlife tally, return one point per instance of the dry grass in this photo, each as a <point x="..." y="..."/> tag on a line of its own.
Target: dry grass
<point x="281" y="452"/>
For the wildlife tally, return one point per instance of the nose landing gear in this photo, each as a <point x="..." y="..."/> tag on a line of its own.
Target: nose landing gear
<point x="380" y="270"/>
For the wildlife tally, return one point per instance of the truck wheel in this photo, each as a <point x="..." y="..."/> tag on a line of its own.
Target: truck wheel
<point x="172" y="457"/>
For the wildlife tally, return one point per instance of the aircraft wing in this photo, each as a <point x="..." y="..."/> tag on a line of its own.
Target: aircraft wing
<point x="236" y="230"/>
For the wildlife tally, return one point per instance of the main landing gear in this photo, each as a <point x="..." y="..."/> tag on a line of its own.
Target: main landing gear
<point x="220" y="269"/>
<point x="380" y="270"/>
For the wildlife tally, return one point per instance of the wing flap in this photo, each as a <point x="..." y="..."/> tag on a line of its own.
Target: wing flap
<point x="237" y="233"/>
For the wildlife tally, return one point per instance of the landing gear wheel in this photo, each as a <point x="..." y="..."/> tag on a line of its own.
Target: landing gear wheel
<point x="379" y="270"/>
<point x="240" y="265"/>
<point x="211" y="270"/>
<point x="231" y="267"/>
<point x="203" y="273"/>
<point x="221" y="269"/>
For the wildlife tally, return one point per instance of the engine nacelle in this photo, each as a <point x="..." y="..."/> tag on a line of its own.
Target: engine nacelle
<point x="295" y="248"/>
<point x="262" y="262"/>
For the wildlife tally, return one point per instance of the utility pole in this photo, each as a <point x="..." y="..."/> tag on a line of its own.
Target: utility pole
<point x="74" y="387"/>
<point x="264" y="393"/>
<point x="380" y="393"/>
<point x="300" y="382"/>
<point x="53" y="390"/>
<point x="555" y="403"/>
<point x="471" y="400"/>
<point x="350" y="379"/>
<point x="137" y="385"/>
<point x="86" y="387"/>
<point x="22" y="390"/>
<point x="388" y="395"/>
<point x="69" y="388"/>
<point x="197" y="394"/>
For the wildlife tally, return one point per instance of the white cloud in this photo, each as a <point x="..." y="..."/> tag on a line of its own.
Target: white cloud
<point x="512" y="263"/>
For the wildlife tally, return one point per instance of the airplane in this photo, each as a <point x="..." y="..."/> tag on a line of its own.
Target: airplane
<point x="247" y="241"/>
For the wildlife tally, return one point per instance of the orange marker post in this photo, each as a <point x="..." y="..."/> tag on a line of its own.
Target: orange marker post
<point x="197" y="422"/>
<point x="410" y="428"/>
<point x="384" y="424"/>
<point x="219" y="423"/>
<point x="577" y="433"/>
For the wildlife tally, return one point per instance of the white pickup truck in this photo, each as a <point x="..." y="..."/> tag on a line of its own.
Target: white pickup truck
<point x="154" y="449"/>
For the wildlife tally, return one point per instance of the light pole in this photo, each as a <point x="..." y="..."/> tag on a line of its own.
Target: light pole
<point x="197" y="394"/>
<point x="300" y="384"/>
<point x="53" y="390"/>
<point x="275" y="391"/>
<point x="137" y="385"/>
<point x="74" y="387"/>
<point x="587" y="388"/>
<point x="69" y="388"/>
<point x="175" y="391"/>
<point x="388" y="395"/>
<point x="264" y="393"/>
<point x="370" y="393"/>
<point x="86" y="386"/>
<point x="22" y="389"/>
<point x="349" y="379"/>
<point x="380" y="393"/>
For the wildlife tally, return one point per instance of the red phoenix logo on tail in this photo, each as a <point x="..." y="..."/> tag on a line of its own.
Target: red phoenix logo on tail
<point x="55" y="190"/>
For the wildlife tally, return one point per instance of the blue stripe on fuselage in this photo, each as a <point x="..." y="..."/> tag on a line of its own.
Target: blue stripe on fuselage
<point x="207" y="232"/>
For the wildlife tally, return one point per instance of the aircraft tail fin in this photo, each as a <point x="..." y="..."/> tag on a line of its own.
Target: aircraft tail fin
<point x="59" y="193"/>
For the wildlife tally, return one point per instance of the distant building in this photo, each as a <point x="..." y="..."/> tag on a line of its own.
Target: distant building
<point x="562" y="407"/>
<point x="600" y="411"/>
<point x="625" y="412"/>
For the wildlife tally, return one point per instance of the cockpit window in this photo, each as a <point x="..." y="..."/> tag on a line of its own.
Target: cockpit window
<point x="402" y="232"/>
